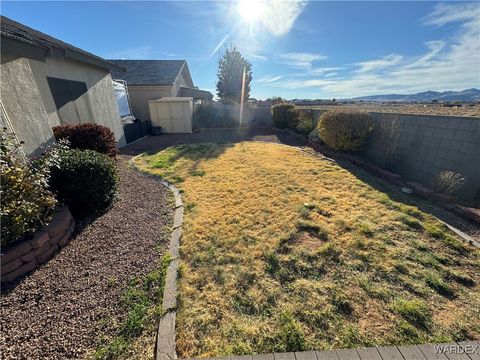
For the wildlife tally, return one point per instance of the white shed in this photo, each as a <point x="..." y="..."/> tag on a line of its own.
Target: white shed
<point x="172" y="114"/>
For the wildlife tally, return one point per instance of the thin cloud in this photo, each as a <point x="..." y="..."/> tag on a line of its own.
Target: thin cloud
<point x="269" y="79"/>
<point x="257" y="56"/>
<point x="323" y="70"/>
<point x="377" y="64"/>
<point x="300" y="60"/>
<point x="444" y="14"/>
<point x="172" y="54"/>
<point x="448" y="64"/>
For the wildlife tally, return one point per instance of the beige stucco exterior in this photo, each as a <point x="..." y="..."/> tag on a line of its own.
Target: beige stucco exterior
<point x="141" y="94"/>
<point x="23" y="111"/>
<point x="29" y="104"/>
<point x="97" y="105"/>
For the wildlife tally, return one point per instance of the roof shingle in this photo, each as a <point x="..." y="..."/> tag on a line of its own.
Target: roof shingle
<point x="19" y="32"/>
<point x="148" y="72"/>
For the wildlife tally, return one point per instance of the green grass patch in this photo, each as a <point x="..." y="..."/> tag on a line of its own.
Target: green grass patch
<point x="439" y="285"/>
<point x="416" y="312"/>
<point x="142" y="302"/>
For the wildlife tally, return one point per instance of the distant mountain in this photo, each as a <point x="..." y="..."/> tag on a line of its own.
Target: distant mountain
<point x="427" y="96"/>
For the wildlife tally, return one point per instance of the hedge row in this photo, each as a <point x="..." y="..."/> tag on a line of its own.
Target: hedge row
<point x="338" y="129"/>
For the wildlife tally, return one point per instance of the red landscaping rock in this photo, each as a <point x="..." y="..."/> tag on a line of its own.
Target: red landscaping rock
<point x="15" y="252"/>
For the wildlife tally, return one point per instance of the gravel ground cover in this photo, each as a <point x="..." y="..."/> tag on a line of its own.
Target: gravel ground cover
<point x="60" y="310"/>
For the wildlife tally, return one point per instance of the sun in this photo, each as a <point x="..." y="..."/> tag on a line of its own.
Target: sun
<point x="251" y="10"/>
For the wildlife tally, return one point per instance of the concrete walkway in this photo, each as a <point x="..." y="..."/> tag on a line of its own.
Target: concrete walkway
<point x="469" y="350"/>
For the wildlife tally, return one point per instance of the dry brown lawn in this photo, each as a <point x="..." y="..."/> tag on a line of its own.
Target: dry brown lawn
<point x="284" y="250"/>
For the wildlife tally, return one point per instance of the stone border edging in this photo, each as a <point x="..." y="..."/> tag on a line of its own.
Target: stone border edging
<point x="20" y="258"/>
<point x="165" y="341"/>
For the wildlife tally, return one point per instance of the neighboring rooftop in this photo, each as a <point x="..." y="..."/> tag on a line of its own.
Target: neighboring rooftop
<point x="149" y="72"/>
<point x="16" y="31"/>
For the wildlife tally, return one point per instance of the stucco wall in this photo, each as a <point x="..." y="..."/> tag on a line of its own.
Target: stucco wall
<point x="23" y="104"/>
<point x="183" y="79"/>
<point x="97" y="105"/>
<point x="140" y="95"/>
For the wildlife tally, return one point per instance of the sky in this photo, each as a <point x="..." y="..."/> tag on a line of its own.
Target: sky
<point x="298" y="49"/>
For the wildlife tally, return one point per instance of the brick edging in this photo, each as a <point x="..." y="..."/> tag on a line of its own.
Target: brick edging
<point x="20" y="258"/>
<point x="165" y="341"/>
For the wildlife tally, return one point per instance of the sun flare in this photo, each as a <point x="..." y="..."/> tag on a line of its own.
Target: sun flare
<point x="251" y="10"/>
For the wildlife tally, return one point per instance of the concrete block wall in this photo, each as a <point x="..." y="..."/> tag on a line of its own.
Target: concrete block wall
<point x="420" y="146"/>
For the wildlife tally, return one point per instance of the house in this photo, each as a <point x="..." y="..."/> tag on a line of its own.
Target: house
<point x="46" y="82"/>
<point x="153" y="79"/>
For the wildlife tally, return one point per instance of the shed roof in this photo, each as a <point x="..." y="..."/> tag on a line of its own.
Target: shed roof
<point x="149" y="72"/>
<point x="16" y="31"/>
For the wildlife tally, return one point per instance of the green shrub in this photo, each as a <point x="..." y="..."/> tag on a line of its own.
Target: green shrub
<point x="211" y="116"/>
<point x="306" y="123"/>
<point x="293" y="117"/>
<point x="88" y="137"/>
<point x="26" y="202"/>
<point x="343" y="130"/>
<point x="281" y="116"/>
<point x="86" y="180"/>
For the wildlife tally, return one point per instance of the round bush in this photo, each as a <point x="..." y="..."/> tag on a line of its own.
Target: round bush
<point x="281" y="115"/>
<point x="88" y="137"/>
<point x="306" y="123"/>
<point x="86" y="180"/>
<point x="343" y="130"/>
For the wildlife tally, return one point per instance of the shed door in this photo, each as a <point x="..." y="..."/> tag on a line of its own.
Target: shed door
<point x="172" y="116"/>
<point x="178" y="117"/>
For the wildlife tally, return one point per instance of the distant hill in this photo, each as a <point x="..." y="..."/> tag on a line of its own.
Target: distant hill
<point x="427" y="96"/>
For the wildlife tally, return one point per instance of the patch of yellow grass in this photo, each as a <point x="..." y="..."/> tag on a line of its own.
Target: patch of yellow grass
<point x="283" y="250"/>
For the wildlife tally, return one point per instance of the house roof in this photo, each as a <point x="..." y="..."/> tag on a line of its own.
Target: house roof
<point x="196" y="93"/>
<point x="149" y="72"/>
<point x="16" y="31"/>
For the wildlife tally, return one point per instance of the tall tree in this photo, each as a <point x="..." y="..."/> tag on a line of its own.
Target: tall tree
<point x="231" y="66"/>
